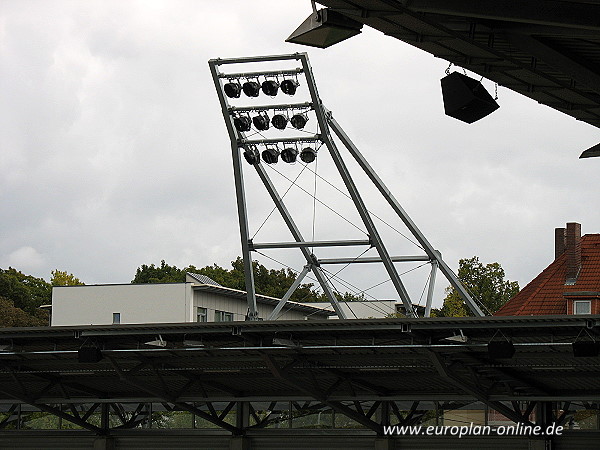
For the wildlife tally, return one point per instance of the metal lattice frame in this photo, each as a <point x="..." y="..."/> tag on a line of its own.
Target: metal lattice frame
<point x="240" y="142"/>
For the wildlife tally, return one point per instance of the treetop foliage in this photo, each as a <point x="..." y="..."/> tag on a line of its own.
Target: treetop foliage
<point x="63" y="278"/>
<point x="20" y="298"/>
<point x="270" y="282"/>
<point x="485" y="283"/>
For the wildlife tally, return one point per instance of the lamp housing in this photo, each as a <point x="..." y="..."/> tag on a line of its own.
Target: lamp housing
<point x="242" y="123"/>
<point x="270" y="87"/>
<point x="308" y="155"/>
<point x="270" y="155"/>
<point x="279" y="121"/>
<point x="251" y="88"/>
<point x="298" y="121"/>
<point x="232" y="89"/>
<point x="289" y="155"/>
<point x="289" y="86"/>
<point x="252" y="156"/>
<point x="324" y="28"/>
<point x="261" y="121"/>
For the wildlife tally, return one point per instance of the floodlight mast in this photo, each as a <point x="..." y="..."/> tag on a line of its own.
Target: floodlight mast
<point x="313" y="264"/>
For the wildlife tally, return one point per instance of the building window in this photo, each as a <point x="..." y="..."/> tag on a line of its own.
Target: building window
<point x="582" y="307"/>
<point x="201" y="314"/>
<point x="222" y="316"/>
<point x="116" y="318"/>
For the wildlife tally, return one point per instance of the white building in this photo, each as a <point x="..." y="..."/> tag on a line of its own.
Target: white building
<point x="375" y="309"/>
<point x="199" y="299"/>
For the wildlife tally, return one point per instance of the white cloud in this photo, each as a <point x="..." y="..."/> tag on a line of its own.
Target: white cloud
<point x="25" y="259"/>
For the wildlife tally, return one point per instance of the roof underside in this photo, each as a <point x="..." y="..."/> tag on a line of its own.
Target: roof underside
<point x="548" y="51"/>
<point x="380" y="359"/>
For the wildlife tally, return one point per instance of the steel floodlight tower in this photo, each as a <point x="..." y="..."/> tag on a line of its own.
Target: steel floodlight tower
<point x="241" y="143"/>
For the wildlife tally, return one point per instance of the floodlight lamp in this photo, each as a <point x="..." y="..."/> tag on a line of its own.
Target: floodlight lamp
<point x="261" y="122"/>
<point x="233" y="89"/>
<point x="158" y="342"/>
<point x="279" y="121"/>
<point x="298" y="121"/>
<point x="252" y="156"/>
<point x="324" y="28"/>
<point x="589" y="153"/>
<point x="270" y="155"/>
<point x="285" y="342"/>
<point x="242" y="123"/>
<point x="308" y="155"/>
<point x="289" y="86"/>
<point x="289" y="155"/>
<point x="251" y="88"/>
<point x="270" y="87"/>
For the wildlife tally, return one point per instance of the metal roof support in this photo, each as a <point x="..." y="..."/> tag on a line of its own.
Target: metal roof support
<point x="480" y="395"/>
<point x="289" y="292"/>
<point x="310" y="258"/>
<point x="55" y="411"/>
<point x="169" y="399"/>
<point x="434" y="267"/>
<point x="241" y="142"/>
<point x="240" y="197"/>
<point x="353" y="191"/>
<point x="314" y="393"/>
<point x="389" y="197"/>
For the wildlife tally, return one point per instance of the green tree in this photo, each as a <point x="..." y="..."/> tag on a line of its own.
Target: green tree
<point x="159" y="274"/>
<point x="270" y="282"/>
<point x="11" y="316"/>
<point x="62" y="278"/>
<point x="486" y="283"/>
<point x="25" y="291"/>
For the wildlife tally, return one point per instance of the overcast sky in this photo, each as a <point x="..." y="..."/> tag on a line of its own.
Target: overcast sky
<point x="114" y="152"/>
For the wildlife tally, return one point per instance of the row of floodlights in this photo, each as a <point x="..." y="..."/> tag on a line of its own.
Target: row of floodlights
<point x="270" y="155"/>
<point x="261" y="121"/>
<point x="233" y="89"/>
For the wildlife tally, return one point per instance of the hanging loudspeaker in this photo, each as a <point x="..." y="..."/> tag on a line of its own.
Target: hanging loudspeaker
<point x="465" y="98"/>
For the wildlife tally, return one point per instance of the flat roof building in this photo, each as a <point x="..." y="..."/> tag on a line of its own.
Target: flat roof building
<point x="199" y="299"/>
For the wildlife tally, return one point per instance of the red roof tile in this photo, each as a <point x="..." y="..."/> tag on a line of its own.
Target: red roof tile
<point x="545" y="294"/>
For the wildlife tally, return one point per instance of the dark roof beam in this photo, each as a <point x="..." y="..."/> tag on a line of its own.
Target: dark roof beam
<point x="337" y="406"/>
<point x="144" y="387"/>
<point x="554" y="58"/>
<point x="55" y="411"/>
<point x="482" y="396"/>
<point x="553" y="13"/>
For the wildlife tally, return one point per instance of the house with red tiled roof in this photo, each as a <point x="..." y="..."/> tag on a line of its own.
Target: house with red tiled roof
<point x="570" y="285"/>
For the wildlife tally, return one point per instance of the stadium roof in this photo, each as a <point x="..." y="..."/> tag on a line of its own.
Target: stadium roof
<point x="332" y="360"/>
<point x="548" y="50"/>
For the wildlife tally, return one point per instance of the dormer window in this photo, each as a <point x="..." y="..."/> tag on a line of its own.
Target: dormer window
<point x="582" y="307"/>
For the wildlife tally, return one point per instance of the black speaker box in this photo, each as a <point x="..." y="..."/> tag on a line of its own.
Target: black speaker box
<point x="501" y="350"/>
<point x="586" y="349"/>
<point x="89" y="355"/>
<point x="465" y="98"/>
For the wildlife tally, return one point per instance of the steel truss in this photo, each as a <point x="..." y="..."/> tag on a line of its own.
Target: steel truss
<point x="240" y="142"/>
<point x="395" y="372"/>
<point x="106" y="419"/>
